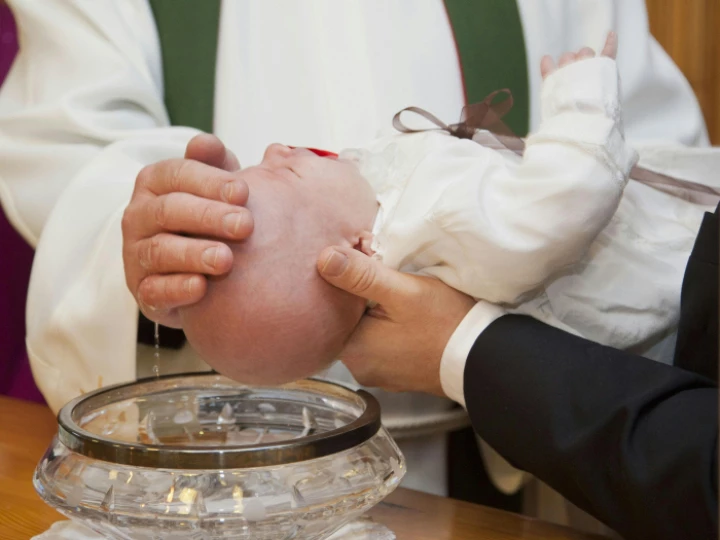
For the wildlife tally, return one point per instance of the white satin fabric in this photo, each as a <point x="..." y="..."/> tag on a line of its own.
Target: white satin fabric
<point x="82" y="111"/>
<point x="489" y="223"/>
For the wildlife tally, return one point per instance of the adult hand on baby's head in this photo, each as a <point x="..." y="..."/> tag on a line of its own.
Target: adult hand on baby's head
<point x="398" y="345"/>
<point x="198" y="195"/>
<point x="547" y="64"/>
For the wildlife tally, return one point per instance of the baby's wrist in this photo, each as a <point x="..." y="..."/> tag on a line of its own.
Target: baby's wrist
<point x="588" y="86"/>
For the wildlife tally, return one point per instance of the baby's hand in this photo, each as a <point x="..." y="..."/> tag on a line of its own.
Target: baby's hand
<point x="547" y="64"/>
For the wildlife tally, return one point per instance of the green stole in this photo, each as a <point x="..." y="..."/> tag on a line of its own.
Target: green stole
<point x="488" y="35"/>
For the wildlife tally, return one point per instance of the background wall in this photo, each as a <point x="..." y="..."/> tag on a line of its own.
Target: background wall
<point x="689" y="30"/>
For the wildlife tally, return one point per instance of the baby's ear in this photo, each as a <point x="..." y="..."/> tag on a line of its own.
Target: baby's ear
<point x="364" y="243"/>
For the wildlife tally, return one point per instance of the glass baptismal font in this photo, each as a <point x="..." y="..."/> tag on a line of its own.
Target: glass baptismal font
<point x="203" y="457"/>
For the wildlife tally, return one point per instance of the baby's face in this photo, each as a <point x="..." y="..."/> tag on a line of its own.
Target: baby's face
<point x="273" y="319"/>
<point x="334" y="187"/>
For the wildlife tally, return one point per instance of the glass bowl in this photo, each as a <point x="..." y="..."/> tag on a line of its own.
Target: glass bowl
<point x="203" y="457"/>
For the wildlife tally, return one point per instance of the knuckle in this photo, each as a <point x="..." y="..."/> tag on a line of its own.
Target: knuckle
<point x="149" y="256"/>
<point x="155" y="252"/>
<point x="167" y="288"/>
<point x="179" y="172"/>
<point x="207" y="216"/>
<point x="145" y="175"/>
<point x="162" y="210"/>
<point x="184" y="253"/>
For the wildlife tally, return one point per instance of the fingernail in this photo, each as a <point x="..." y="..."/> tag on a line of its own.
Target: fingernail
<point x="228" y="191"/>
<point x="210" y="256"/>
<point x="335" y="264"/>
<point x="233" y="222"/>
<point x="147" y="307"/>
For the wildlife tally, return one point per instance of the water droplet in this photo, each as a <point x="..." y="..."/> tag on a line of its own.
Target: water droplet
<point x="395" y="466"/>
<point x="156" y="366"/>
<point x="227" y="415"/>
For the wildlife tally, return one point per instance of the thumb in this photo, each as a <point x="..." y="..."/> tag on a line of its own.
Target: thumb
<point x="358" y="274"/>
<point x="611" y="46"/>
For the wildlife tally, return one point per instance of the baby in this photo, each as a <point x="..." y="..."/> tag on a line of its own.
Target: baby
<point x="273" y="319"/>
<point x="556" y="234"/>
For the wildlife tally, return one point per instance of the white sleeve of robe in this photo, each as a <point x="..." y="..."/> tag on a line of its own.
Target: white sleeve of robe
<point x="80" y="114"/>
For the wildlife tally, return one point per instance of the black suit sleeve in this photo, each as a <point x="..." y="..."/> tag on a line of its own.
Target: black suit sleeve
<point x="631" y="441"/>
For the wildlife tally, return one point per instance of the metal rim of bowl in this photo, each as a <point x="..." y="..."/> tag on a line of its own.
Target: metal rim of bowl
<point x="306" y="448"/>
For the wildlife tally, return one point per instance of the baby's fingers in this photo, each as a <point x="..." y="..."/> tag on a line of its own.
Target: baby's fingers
<point x="567" y="58"/>
<point x="611" y="46"/>
<point x="547" y="66"/>
<point x="585" y="52"/>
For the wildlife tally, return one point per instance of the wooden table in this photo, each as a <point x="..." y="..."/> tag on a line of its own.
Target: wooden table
<point x="26" y="430"/>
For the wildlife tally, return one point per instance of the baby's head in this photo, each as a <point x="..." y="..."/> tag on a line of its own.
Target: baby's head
<point x="273" y="319"/>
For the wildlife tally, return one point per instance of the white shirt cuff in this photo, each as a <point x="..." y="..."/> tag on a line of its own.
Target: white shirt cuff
<point x="452" y="364"/>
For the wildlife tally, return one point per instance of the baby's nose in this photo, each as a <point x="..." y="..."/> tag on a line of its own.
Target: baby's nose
<point x="276" y="152"/>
